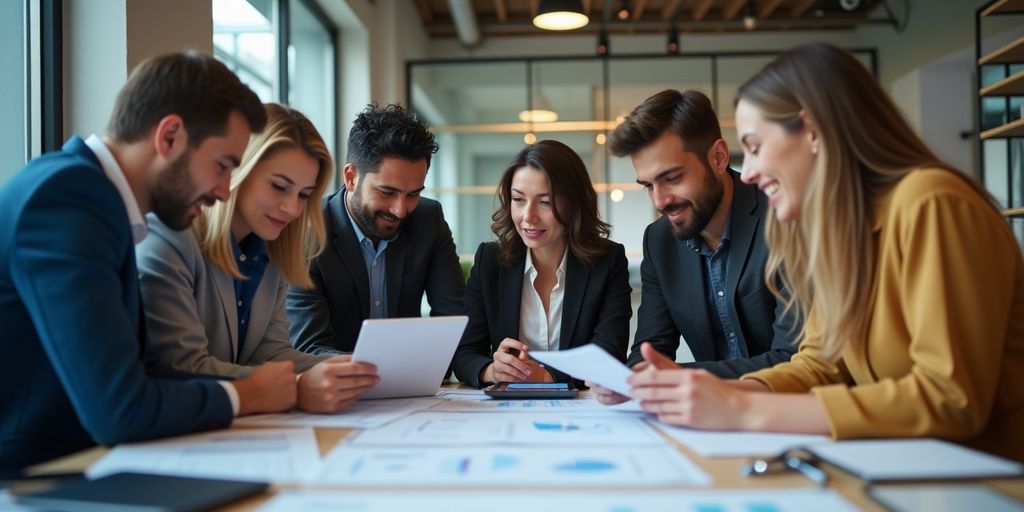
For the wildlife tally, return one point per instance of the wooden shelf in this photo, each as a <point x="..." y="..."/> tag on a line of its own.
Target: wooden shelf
<point x="1009" y="86"/>
<point x="1014" y="129"/>
<point x="1004" y="7"/>
<point x="1013" y="212"/>
<point x="1013" y="52"/>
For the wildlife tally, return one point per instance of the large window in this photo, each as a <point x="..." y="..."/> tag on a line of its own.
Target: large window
<point x="14" y="101"/>
<point x="477" y="107"/>
<point x="284" y="50"/>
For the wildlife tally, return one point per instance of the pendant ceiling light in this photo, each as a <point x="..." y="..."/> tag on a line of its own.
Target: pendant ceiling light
<point x="560" y="15"/>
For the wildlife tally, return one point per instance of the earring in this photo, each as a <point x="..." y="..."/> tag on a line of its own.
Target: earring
<point x="814" y="150"/>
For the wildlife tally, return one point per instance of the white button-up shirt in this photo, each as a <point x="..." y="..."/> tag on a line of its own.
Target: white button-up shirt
<point x="537" y="329"/>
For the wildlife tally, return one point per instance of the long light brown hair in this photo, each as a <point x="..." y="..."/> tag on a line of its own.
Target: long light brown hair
<point x="303" y="238"/>
<point x="827" y="258"/>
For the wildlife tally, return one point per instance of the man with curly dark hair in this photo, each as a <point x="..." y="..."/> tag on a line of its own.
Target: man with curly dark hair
<point x="387" y="245"/>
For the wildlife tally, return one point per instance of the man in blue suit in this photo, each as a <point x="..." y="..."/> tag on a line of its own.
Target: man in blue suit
<point x="73" y="371"/>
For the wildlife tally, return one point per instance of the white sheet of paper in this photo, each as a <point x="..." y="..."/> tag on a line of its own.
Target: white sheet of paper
<point x="737" y="444"/>
<point x="432" y="428"/>
<point x="634" y="501"/>
<point x="562" y="406"/>
<point x="914" y="459"/>
<point x="590" y="363"/>
<point x="366" y="414"/>
<point x="349" y="465"/>
<point x="259" y="455"/>
<point x="944" y="497"/>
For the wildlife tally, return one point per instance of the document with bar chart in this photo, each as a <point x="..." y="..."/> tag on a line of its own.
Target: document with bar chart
<point x="431" y="428"/>
<point x="515" y="466"/>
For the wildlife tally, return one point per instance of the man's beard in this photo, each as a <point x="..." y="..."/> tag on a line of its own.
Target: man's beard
<point x="173" y="194"/>
<point x="367" y="218"/>
<point x="703" y="208"/>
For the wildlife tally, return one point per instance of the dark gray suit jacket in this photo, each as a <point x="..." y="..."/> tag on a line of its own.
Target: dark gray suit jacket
<point x="421" y="259"/>
<point x="595" y="308"/>
<point x="674" y="297"/>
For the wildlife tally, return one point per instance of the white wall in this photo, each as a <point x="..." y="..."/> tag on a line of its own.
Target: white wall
<point x="105" y="39"/>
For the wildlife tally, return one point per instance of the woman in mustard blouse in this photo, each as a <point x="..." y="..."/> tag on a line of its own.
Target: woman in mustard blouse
<point x="911" y="282"/>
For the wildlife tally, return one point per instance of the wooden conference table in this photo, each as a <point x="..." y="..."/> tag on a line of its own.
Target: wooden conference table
<point x="724" y="471"/>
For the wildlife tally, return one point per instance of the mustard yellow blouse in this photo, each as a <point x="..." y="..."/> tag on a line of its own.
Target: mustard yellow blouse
<point x="944" y="355"/>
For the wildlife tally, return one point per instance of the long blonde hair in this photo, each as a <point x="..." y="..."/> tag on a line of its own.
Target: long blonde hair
<point x="303" y="238"/>
<point x="827" y="259"/>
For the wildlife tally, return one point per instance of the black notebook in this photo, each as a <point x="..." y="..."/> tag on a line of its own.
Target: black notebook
<point x="136" y="492"/>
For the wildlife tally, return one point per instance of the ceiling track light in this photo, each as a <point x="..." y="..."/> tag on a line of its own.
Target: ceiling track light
<point x="560" y="15"/>
<point x="623" y="12"/>
<point x="672" y="46"/>
<point x="750" y="16"/>
<point x="602" y="43"/>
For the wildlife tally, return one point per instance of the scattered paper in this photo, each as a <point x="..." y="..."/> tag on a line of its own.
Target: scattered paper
<point x="782" y="500"/>
<point x="432" y="428"/>
<point x="365" y="414"/>
<point x="914" y="459"/>
<point x="258" y="455"/>
<point x="577" y="405"/>
<point x="589" y="363"/>
<point x="738" y="444"/>
<point x="516" y="466"/>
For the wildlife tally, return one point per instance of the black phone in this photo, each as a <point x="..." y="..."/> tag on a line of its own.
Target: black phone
<point x="527" y="390"/>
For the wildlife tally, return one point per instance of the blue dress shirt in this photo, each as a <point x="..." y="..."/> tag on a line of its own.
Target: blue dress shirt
<point x="252" y="259"/>
<point x="376" y="268"/>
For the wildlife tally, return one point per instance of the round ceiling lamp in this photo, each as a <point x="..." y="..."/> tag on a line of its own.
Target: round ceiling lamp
<point x="560" y="15"/>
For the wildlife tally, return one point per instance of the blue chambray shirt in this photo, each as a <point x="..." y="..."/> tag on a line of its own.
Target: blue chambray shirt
<point x="716" y="263"/>
<point x="376" y="268"/>
<point x="252" y="259"/>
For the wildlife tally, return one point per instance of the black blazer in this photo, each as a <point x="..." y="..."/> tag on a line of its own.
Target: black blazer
<point x="674" y="298"/>
<point x="420" y="260"/>
<point x="595" y="308"/>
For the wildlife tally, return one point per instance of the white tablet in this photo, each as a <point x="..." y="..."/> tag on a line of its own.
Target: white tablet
<point x="412" y="354"/>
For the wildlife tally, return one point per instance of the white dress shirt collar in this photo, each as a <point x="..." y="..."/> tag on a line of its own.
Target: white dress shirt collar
<point x="540" y="330"/>
<point x="116" y="176"/>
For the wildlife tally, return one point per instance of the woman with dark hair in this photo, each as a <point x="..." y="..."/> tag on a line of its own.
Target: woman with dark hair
<point x="911" y="283"/>
<point x="552" y="280"/>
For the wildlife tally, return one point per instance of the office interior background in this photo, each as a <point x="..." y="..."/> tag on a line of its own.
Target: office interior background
<point x="485" y="78"/>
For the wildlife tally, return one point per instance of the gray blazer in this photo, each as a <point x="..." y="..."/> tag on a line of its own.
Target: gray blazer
<point x="191" y="315"/>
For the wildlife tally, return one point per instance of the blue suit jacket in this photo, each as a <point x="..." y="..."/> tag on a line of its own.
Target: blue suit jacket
<point x="72" y="373"/>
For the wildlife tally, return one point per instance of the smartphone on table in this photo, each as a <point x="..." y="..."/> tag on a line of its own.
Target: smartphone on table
<point x="528" y="390"/>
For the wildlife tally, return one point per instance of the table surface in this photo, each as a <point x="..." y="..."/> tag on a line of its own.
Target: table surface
<point x="724" y="471"/>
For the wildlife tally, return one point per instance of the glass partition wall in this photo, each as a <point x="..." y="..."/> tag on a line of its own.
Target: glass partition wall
<point x="484" y="111"/>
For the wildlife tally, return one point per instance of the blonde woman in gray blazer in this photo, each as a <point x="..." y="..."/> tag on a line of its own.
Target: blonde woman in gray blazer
<point x="214" y="294"/>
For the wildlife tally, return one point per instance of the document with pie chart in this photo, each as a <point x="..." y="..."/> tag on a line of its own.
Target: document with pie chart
<point x="350" y="465"/>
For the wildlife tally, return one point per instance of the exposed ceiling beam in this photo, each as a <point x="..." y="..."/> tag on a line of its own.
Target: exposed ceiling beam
<point x="701" y="9"/>
<point x="423" y="6"/>
<point x="732" y="8"/>
<point x="501" y="10"/>
<point x="800" y="7"/>
<point x="638" y="9"/>
<point x="767" y="7"/>
<point x="513" y="28"/>
<point x="669" y="11"/>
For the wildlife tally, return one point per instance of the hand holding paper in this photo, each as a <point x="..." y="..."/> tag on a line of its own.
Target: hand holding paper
<point x="590" y="363"/>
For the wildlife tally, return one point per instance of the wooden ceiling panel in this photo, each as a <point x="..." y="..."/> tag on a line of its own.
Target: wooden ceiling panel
<point x="513" y="17"/>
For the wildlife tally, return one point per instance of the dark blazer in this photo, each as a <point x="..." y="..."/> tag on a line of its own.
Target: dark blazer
<point x="72" y="321"/>
<point x="674" y="297"/>
<point x="420" y="260"/>
<point x="595" y="308"/>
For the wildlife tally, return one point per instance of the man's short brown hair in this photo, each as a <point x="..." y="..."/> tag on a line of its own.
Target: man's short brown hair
<point x="193" y="85"/>
<point x="688" y="114"/>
